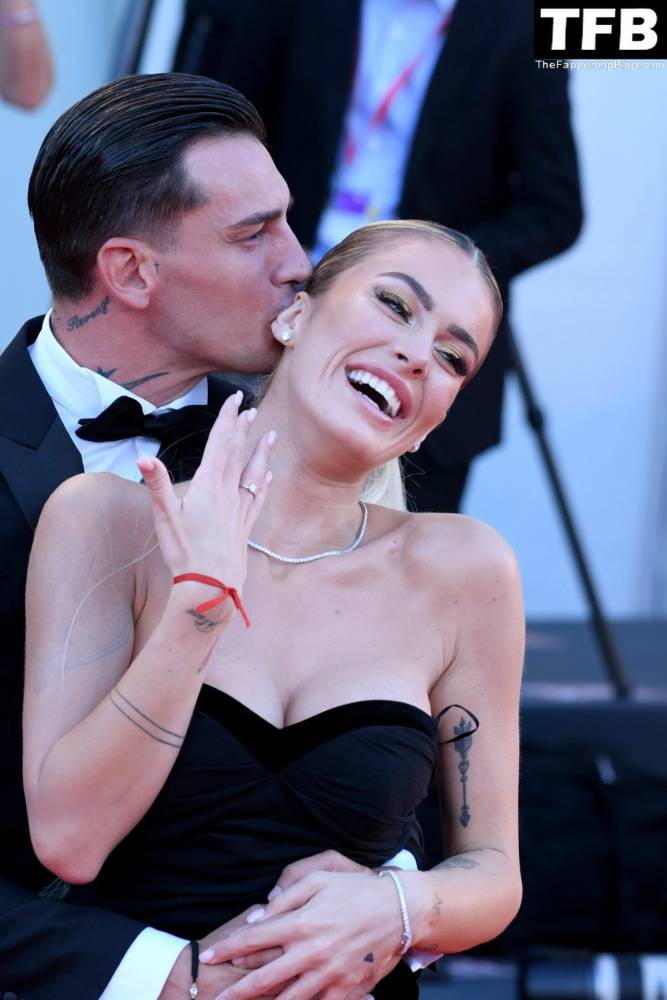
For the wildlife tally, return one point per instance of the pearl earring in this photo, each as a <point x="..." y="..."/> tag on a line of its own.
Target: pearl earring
<point x="285" y="336"/>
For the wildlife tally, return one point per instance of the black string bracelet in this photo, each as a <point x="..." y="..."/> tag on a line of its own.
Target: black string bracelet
<point x="194" y="989"/>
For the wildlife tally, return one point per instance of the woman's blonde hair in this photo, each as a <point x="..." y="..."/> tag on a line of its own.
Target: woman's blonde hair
<point x="385" y="485"/>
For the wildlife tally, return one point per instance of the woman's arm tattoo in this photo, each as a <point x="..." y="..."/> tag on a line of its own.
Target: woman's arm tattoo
<point x="459" y="861"/>
<point x="462" y="747"/>
<point x="202" y="623"/>
<point x="130" y="712"/>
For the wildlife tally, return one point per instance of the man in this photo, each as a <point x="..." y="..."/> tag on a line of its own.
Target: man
<point x="161" y="223"/>
<point x="429" y="109"/>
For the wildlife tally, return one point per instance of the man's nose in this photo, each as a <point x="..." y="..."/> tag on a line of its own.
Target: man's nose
<point x="293" y="266"/>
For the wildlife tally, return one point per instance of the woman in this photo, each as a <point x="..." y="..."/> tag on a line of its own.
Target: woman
<point x="181" y="760"/>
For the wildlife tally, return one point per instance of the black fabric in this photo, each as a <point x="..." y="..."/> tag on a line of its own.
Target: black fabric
<point x="48" y="950"/>
<point x="182" y="433"/>
<point x="593" y="833"/>
<point x="245" y="799"/>
<point x="124" y="419"/>
<point x="434" y="489"/>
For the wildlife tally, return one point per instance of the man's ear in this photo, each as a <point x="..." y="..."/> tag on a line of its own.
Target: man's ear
<point x="286" y="325"/>
<point x="129" y="270"/>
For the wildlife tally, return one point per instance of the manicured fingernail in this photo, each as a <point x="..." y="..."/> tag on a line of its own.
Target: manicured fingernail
<point x="269" y="476"/>
<point x="239" y="962"/>
<point x="147" y="465"/>
<point x="251" y="414"/>
<point x="271" y="437"/>
<point x="206" y="956"/>
<point x="274" y="892"/>
<point x="256" y="915"/>
<point x="238" y="396"/>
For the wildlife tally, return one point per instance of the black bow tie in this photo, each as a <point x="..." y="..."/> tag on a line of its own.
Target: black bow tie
<point x="182" y="433"/>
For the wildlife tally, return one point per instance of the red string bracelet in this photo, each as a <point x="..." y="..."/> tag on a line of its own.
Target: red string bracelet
<point x="226" y="591"/>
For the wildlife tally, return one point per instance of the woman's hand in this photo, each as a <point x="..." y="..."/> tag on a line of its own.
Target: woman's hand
<point x="325" y="861"/>
<point x="206" y="530"/>
<point x="340" y="933"/>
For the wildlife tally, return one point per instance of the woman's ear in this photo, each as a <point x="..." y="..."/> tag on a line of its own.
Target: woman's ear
<point x="128" y="270"/>
<point x="287" y="324"/>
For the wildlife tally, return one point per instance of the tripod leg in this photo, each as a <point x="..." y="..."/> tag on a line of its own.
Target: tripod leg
<point x="535" y="416"/>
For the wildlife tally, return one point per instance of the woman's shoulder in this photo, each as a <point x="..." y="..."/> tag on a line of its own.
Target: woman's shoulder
<point x="95" y="487"/>
<point x="439" y="547"/>
<point x="91" y="501"/>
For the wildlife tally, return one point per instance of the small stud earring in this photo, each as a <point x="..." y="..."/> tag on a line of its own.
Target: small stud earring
<point x="285" y="336"/>
<point x="415" y="447"/>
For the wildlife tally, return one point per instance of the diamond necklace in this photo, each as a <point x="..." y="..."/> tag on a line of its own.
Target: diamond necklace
<point x="318" y="555"/>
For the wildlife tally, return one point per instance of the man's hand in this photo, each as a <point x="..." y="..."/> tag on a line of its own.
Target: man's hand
<point x="215" y="978"/>
<point x="179" y="982"/>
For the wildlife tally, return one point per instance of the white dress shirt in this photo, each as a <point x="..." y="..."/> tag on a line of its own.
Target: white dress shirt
<point x="392" y="34"/>
<point x="79" y="392"/>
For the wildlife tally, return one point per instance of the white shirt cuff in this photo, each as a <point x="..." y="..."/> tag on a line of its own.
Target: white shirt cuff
<point x="145" y="967"/>
<point x="416" y="958"/>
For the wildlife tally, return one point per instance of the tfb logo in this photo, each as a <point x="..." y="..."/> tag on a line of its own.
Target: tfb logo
<point x="598" y="31"/>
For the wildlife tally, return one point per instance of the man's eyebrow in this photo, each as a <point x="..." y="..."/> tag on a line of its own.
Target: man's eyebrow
<point x="258" y="218"/>
<point x="416" y="287"/>
<point x="464" y="337"/>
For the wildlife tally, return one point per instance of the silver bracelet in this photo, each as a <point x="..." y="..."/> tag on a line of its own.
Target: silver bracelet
<point x="406" y="940"/>
<point x="27" y="15"/>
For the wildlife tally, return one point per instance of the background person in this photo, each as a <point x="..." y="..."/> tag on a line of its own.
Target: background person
<point x="26" y="66"/>
<point x="415" y="109"/>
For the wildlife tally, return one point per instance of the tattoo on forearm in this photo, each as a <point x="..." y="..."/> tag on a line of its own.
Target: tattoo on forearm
<point x="75" y="322"/>
<point x="462" y="747"/>
<point x="134" y="383"/>
<point x="370" y="957"/>
<point x="127" y="709"/>
<point x="459" y="861"/>
<point x="202" y="623"/>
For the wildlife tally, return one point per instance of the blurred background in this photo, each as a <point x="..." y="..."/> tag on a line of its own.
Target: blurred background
<point x="591" y="327"/>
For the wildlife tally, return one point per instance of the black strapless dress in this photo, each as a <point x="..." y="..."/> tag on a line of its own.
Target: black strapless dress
<point x="245" y="798"/>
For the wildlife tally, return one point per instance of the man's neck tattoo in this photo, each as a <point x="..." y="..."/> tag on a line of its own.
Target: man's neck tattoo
<point x="75" y="322"/>
<point x="134" y="383"/>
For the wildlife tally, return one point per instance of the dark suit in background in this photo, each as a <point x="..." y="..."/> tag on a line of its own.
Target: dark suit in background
<point x="49" y="950"/>
<point x="493" y="153"/>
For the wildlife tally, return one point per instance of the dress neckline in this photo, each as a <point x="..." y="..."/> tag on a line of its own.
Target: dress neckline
<point x="278" y="747"/>
<point x="362" y="703"/>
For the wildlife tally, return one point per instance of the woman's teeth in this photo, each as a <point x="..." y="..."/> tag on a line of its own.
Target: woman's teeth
<point x="389" y="402"/>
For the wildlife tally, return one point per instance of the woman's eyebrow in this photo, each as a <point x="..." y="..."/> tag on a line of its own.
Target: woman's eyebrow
<point x="416" y="287"/>
<point x="464" y="337"/>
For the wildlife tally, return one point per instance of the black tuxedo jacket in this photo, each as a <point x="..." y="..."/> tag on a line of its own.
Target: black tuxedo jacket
<point x="48" y="950"/>
<point x="493" y="153"/>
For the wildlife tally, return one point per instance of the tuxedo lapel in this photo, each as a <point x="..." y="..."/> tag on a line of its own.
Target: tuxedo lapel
<point x="464" y="56"/>
<point x="36" y="452"/>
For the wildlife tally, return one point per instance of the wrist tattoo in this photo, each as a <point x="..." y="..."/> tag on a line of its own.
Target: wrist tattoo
<point x="202" y="623"/>
<point x="129" y="710"/>
<point x="75" y="322"/>
<point x="435" y="909"/>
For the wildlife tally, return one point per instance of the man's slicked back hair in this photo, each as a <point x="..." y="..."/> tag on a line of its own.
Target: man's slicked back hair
<point x="112" y="165"/>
